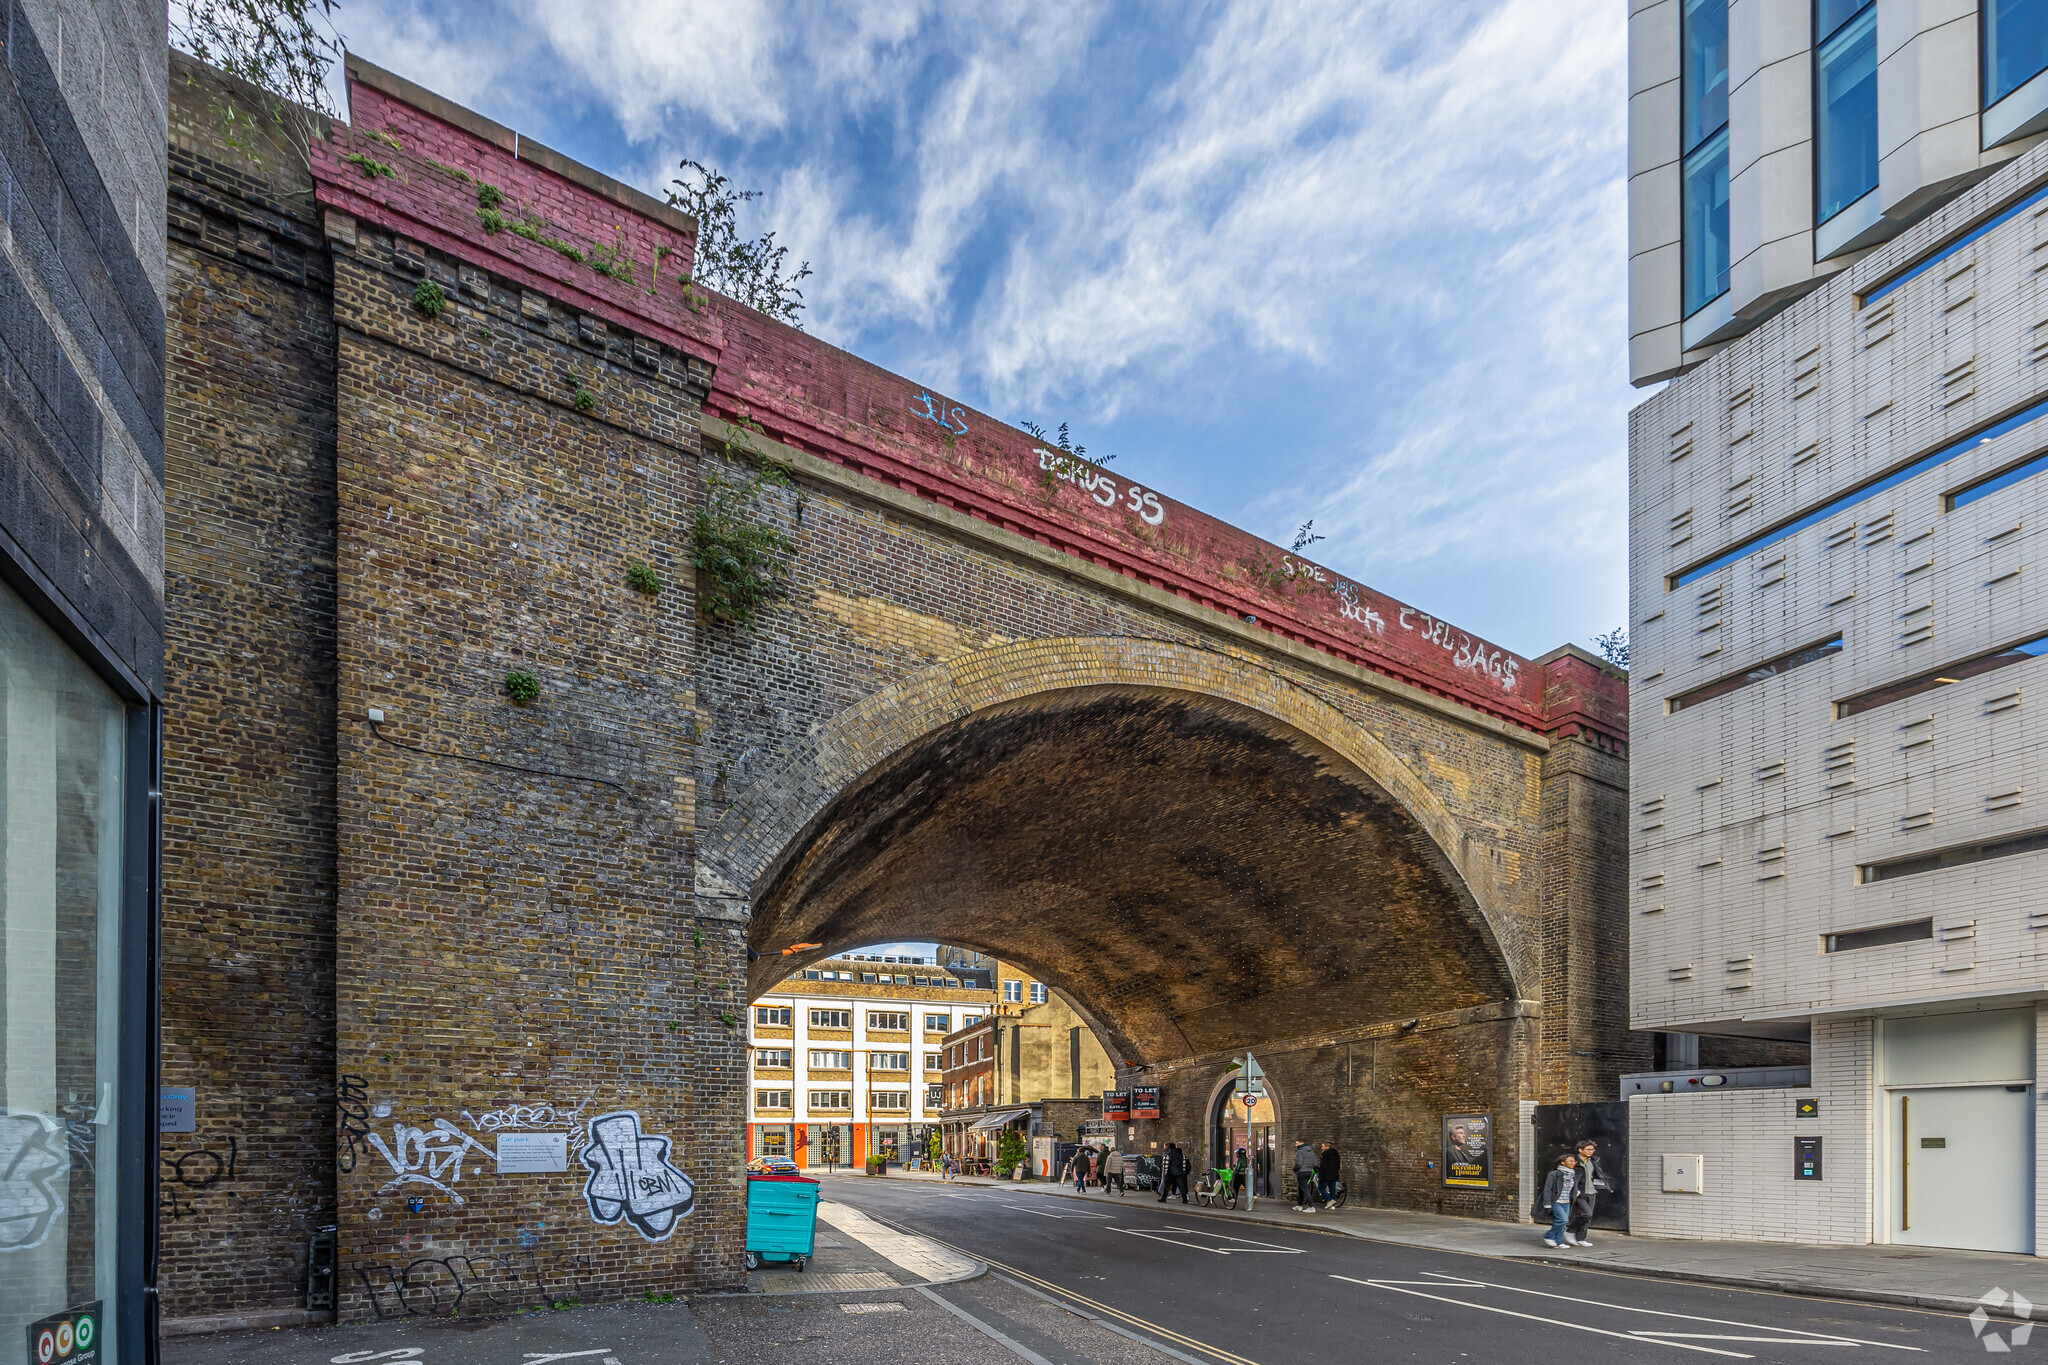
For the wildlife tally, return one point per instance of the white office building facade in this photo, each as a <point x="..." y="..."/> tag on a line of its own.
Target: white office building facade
<point x="1837" y="511"/>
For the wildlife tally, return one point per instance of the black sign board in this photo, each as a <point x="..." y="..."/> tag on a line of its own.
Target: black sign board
<point x="1809" y="1109"/>
<point x="67" y="1338"/>
<point x="1144" y="1101"/>
<point x="1116" y="1104"/>
<point x="1806" y="1158"/>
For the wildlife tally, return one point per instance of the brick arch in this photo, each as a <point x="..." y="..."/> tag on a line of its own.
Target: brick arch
<point x="749" y="845"/>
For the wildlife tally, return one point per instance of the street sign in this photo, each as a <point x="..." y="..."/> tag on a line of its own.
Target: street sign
<point x="1252" y="1100"/>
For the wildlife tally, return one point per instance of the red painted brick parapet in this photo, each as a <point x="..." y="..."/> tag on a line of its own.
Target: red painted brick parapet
<point x="415" y="165"/>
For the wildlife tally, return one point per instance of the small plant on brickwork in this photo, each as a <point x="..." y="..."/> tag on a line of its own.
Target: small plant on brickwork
<point x="642" y="578"/>
<point x="654" y="1296"/>
<point x="731" y="1020"/>
<point x="430" y="299"/>
<point x="379" y="135"/>
<point x="522" y="685"/>
<point x="282" y="47"/>
<point x="369" y="166"/>
<point x="750" y="270"/>
<point x="1613" y="647"/>
<point x="564" y="1305"/>
<point x="742" y="562"/>
<point x="586" y="401"/>
<point x="1064" y="442"/>
<point x="614" y="261"/>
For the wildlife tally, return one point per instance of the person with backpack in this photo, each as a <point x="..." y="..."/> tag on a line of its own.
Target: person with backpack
<point x="1557" y="1197"/>
<point x="1304" y="1176"/>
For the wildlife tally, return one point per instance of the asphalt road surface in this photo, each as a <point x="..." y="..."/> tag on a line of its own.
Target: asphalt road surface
<point x="1204" y="1290"/>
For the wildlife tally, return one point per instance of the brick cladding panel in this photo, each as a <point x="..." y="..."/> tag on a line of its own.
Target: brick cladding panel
<point x="248" y="860"/>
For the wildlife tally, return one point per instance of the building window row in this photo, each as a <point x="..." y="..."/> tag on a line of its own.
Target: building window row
<point x="2014" y="39"/>
<point x="775" y="1058"/>
<point x="771" y="1099"/>
<point x="774" y="1016"/>
<point x="832" y="1019"/>
<point x="831" y="1060"/>
<point x="882" y="1021"/>
<point x="831" y="1099"/>
<point x="883" y="978"/>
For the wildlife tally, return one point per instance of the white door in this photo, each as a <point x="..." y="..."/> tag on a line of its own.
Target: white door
<point x="1963" y="1167"/>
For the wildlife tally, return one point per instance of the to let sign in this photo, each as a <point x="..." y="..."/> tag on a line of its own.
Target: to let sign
<point x="1116" y="1104"/>
<point x="1144" y="1101"/>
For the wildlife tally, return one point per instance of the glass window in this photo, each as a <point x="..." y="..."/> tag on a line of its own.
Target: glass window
<point x="772" y="1015"/>
<point x="1845" y="105"/>
<point x="1013" y="990"/>
<point x="1038" y="992"/>
<point x="1706" y="223"/>
<point x="1945" y="676"/>
<point x="2015" y="45"/>
<point x="1704" y="95"/>
<point x="62" y="744"/>
<point x="937" y="1023"/>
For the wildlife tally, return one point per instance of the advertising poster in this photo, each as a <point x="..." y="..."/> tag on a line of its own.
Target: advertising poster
<point x="1468" y="1151"/>
<point x="1144" y="1101"/>
<point x="1116" y="1105"/>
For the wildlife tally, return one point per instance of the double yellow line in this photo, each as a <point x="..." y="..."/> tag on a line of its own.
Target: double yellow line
<point x="1096" y="1305"/>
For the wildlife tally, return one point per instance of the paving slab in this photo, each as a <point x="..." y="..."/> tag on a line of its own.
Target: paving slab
<point x="1916" y="1277"/>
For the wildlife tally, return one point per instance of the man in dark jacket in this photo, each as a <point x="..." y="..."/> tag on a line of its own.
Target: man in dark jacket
<point x="1585" y="1193"/>
<point x="1326" y="1172"/>
<point x="1174" y="1173"/>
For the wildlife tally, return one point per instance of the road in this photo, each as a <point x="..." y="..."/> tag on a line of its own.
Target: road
<point x="1212" y="1291"/>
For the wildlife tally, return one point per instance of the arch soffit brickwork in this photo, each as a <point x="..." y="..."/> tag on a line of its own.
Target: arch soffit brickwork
<point x="748" y="846"/>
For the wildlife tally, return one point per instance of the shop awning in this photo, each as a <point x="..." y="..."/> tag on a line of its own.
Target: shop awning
<point x="1002" y="1120"/>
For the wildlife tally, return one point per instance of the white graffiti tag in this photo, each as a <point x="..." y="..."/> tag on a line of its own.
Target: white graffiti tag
<point x="526" y="1117"/>
<point x="426" y="1156"/>
<point x="1467" y="653"/>
<point x="33" y="1159"/>
<point x="1090" y="479"/>
<point x="630" y="1177"/>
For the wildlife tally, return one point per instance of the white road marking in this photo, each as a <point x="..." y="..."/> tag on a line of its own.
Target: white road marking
<point x="1271" y="1247"/>
<point x="1043" y="1214"/>
<point x="1531" y="1317"/>
<point x="1174" y="1241"/>
<point x="1819" y="1338"/>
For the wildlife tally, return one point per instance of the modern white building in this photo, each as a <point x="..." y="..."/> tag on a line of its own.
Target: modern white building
<point x="846" y="1054"/>
<point x="1839" y="257"/>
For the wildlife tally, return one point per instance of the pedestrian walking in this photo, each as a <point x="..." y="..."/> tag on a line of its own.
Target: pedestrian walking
<point x="1240" y="1172"/>
<point x="1113" y="1170"/>
<point x="1557" y="1197"/>
<point x="1304" y="1176"/>
<point x="1591" y="1182"/>
<point x="1081" y="1170"/>
<point x="1328" y="1166"/>
<point x="1175" y="1174"/>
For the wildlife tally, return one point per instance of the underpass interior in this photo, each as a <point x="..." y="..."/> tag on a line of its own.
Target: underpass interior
<point x="1197" y="879"/>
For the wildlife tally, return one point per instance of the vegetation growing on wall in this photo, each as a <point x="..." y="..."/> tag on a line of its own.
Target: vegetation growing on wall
<point x="749" y="269"/>
<point x="742" y="561"/>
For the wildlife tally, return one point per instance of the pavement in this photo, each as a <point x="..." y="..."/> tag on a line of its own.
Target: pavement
<point x="1918" y="1277"/>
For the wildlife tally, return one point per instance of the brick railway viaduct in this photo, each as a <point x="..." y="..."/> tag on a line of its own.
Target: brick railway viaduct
<point x="1218" y="796"/>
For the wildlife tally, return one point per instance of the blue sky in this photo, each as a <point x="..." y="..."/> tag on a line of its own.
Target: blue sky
<point x="1361" y="261"/>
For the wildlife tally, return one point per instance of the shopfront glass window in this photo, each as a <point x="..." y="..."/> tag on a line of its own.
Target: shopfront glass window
<point x="2015" y="45"/>
<point x="61" y="770"/>
<point x="1845" y="67"/>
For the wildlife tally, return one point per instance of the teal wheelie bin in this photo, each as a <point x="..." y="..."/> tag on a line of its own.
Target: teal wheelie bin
<point x="782" y="1218"/>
